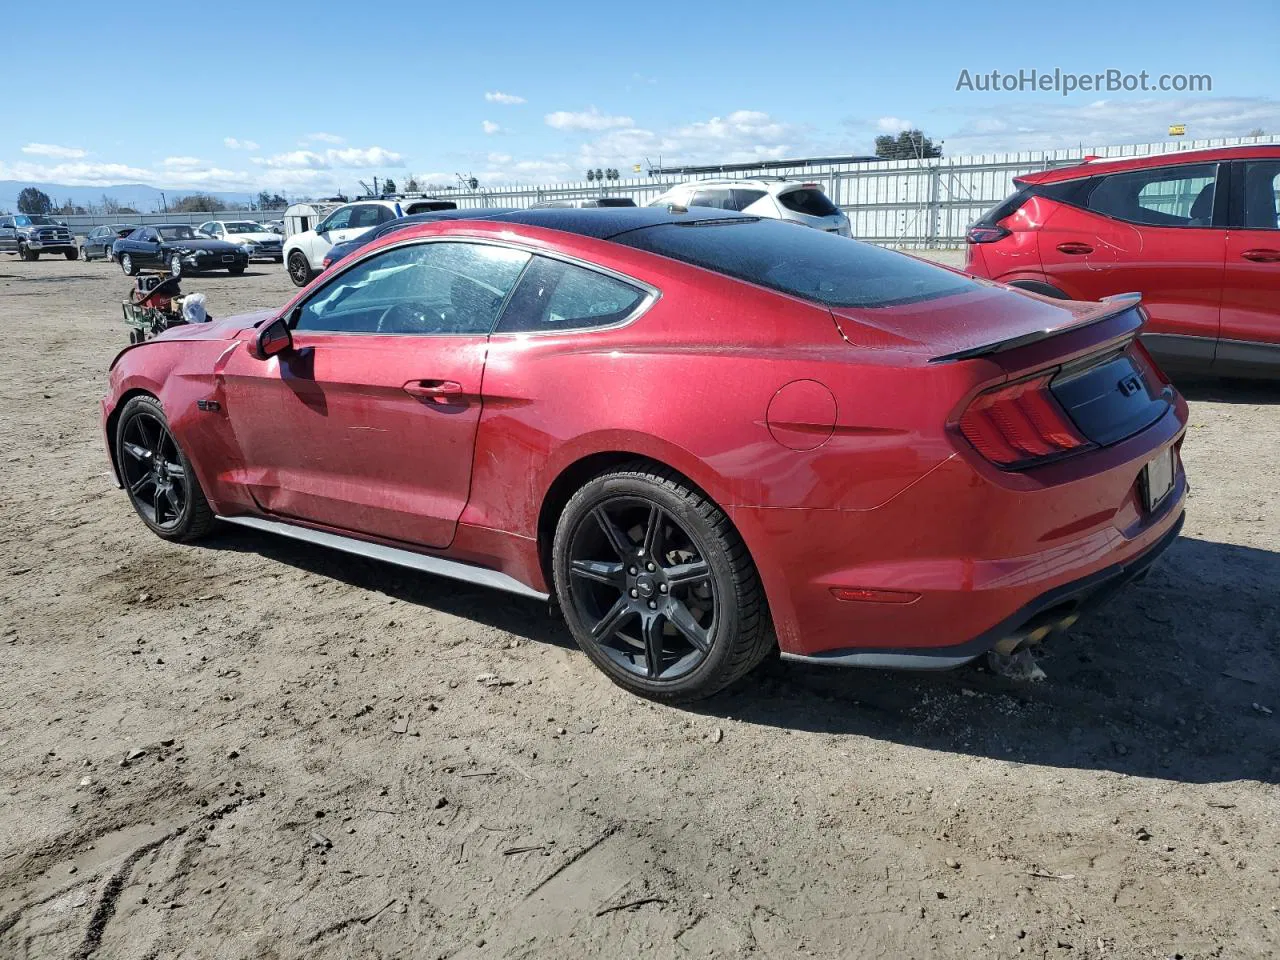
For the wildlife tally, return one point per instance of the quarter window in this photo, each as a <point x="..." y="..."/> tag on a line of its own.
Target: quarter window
<point x="554" y="295"/>
<point x="1162" y="197"/>
<point x="423" y="289"/>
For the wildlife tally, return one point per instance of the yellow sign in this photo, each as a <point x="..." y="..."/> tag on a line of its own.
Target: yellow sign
<point x="1177" y="129"/>
<point x="635" y="167"/>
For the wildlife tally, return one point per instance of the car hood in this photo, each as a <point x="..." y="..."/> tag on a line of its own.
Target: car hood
<point x="989" y="314"/>
<point x="226" y="328"/>
<point x="212" y="246"/>
<point x="255" y="237"/>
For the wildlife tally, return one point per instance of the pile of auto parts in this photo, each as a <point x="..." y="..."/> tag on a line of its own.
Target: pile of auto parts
<point x="156" y="303"/>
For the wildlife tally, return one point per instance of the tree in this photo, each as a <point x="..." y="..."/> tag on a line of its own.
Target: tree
<point x="271" y="201"/>
<point x="907" y="145"/>
<point x="195" y="203"/>
<point x="31" y="200"/>
<point x="110" y="206"/>
<point x="1256" y="132"/>
<point x="411" y="185"/>
<point x="388" y="185"/>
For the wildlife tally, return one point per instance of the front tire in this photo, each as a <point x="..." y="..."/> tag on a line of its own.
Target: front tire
<point x="71" y="254"/>
<point x="157" y="475"/>
<point x="26" y="253"/>
<point x="175" y="265"/>
<point x="84" y="254"/>
<point x="235" y="271"/>
<point x="657" y="587"/>
<point x="299" y="269"/>
<point x="127" y="265"/>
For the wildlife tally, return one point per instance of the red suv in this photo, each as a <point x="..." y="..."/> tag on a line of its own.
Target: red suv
<point x="1195" y="232"/>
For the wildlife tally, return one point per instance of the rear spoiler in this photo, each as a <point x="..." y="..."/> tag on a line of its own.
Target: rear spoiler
<point x="1120" y="303"/>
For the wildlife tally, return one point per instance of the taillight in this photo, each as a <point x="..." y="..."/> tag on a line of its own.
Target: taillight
<point x="1018" y="424"/>
<point x="978" y="234"/>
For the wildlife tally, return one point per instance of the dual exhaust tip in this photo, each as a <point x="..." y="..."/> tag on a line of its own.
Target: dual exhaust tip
<point x="1036" y="630"/>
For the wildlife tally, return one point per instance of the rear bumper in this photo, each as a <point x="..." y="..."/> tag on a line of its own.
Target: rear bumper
<point x="1051" y="612"/>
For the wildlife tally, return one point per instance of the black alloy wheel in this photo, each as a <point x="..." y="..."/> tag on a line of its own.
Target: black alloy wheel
<point x="157" y="475"/>
<point x="657" y="587"/>
<point x="299" y="269"/>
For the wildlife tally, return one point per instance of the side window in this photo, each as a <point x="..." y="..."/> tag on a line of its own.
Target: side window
<point x="384" y="214"/>
<point x="365" y="215"/>
<point x="554" y="295"/>
<point x="423" y="289"/>
<point x="340" y="219"/>
<point x="1261" y="195"/>
<point x="743" y="198"/>
<point x="720" y="198"/>
<point x="1161" y="197"/>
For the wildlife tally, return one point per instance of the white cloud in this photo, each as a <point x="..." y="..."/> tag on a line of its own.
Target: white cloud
<point x="589" y="119"/>
<point x="499" y="158"/>
<point x="182" y="162"/>
<point x="364" y="157"/>
<point x="232" y="143"/>
<point x="348" y="157"/>
<point x="488" y="126"/>
<point x="893" y="125"/>
<point x="325" y="138"/>
<point x="497" y="96"/>
<point x="53" y="150"/>
<point x="1040" y="125"/>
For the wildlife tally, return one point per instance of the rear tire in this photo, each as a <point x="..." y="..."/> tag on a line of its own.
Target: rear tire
<point x="299" y="269"/>
<point x="695" y="624"/>
<point x="1044" y="289"/>
<point x="157" y="474"/>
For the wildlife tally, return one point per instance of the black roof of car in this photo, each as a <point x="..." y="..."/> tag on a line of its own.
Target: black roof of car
<point x="601" y="223"/>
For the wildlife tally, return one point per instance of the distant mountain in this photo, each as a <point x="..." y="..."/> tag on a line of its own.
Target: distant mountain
<point x="141" y="197"/>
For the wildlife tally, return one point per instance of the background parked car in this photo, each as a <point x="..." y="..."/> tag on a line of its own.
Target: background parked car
<point x="178" y="248"/>
<point x="340" y="251"/>
<point x="582" y="202"/>
<point x="305" y="251"/>
<point x="29" y="235"/>
<point x="275" y="226"/>
<point x="1196" y="232"/>
<point x="260" y="242"/>
<point x="100" y="240"/>
<point x="803" y="203"/>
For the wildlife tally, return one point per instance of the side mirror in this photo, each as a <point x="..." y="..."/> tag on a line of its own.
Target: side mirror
<point x="274" y="338"/>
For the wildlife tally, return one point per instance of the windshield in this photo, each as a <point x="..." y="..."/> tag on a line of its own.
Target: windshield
<point x="179" y="232"/>
<point x="244" y="226"/>
<point x="812" y="264"/>
<point x="35" y="221"/>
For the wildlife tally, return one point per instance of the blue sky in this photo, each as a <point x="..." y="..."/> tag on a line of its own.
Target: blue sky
<point x="306" y="97"/>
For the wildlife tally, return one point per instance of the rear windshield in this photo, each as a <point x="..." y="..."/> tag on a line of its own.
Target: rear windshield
<point x="813" y="264"/>
<point x="1006" y="207"/>
<point x="810" y="201"/>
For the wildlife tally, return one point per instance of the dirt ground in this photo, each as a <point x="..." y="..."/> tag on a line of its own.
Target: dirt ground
<point x="252" y="748"/>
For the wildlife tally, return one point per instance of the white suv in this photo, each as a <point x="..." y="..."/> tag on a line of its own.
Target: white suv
<point x="803" y="203"/>
<point x="304" y="252"/>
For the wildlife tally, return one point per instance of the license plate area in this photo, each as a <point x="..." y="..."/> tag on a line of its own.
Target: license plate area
<point x="228" y="258"/>
<point x="1157" y="479"/>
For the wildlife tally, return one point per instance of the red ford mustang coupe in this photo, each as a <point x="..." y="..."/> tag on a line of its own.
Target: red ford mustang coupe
<point x="703" y="433"/>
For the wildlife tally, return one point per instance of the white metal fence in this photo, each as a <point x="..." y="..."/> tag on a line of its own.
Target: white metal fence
<point x="906" y="203"/>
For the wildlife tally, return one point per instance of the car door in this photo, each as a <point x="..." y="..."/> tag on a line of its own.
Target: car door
<point x="368" y="424"/>
<point x="1249" y="341"/>
<point x="332" y="229"/>
<point x="8" y="243"/>
<point x="1159" y="231"/>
